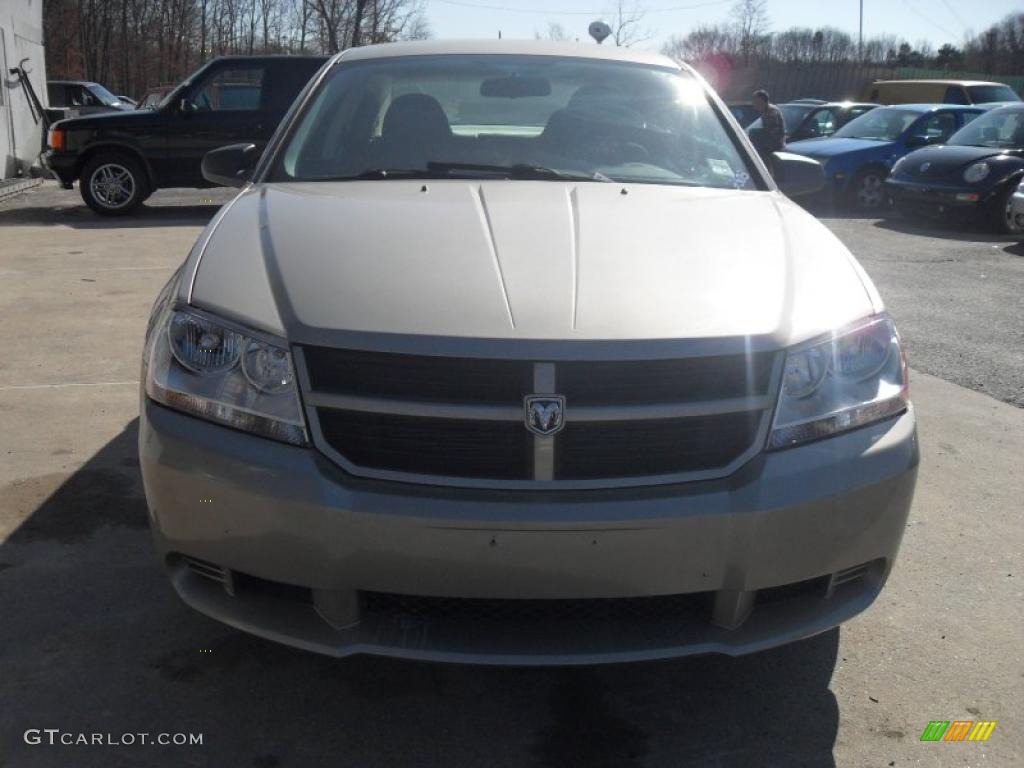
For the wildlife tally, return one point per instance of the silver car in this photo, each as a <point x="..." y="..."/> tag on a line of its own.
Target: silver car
<point x="515" y="353"/>
<point x="1017" y="207"/>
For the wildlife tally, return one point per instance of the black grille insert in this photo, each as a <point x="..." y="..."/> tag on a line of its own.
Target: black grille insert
<point x="635" y="382"/>
<point x="418" y="377"/>
<point x="449" y="447"/>
<point x="589" y="450"/>
<point x="525" y="611"/>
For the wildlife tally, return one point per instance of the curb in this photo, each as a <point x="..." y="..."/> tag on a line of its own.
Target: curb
<point x="12" y="187"/>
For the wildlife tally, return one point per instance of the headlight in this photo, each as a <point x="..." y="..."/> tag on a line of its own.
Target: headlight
<point x="857" y="377"/>
<point x="217" y="371"/>
<point x="976" y="172"/>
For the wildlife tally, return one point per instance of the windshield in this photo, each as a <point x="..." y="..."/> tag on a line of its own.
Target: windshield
<point x="1001" y="129"/>
<point x="981" y="94"/>
<point x="882" y="124"/>
<point x="792" y="116"/>
<point x="105" y="96"/>
<point x="486" y="116"/>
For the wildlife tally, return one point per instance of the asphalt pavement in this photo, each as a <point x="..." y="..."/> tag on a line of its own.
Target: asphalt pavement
<point x="93" y="640"/>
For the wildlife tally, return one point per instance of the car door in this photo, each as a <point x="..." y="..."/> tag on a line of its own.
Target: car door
<point x="820" y="122"/>
<point x="226" y="106"/>
<point x="57" y="95"/>
<point x="81" y="100"/>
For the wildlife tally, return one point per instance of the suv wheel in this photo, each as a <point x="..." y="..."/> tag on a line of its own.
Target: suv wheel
<point x="113" y="184"/>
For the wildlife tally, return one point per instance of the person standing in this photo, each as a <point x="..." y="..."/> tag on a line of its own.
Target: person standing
<point x="772" y="136"/>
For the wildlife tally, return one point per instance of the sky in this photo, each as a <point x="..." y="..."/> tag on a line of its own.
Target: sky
<point x="938" y="21"/>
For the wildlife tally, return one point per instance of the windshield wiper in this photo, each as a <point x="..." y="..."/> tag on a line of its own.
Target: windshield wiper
<point x="438" y="170"/>
<point x="516" y="171"/>
<point x="383" y="173"/>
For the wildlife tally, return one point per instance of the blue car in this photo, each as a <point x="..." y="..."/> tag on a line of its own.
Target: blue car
<point x="858" y="157"/>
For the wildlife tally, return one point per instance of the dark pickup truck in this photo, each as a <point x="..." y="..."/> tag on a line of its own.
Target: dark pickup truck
<point x="121" y="158"/>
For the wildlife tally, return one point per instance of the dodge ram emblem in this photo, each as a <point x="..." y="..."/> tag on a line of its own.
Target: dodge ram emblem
<point x="544" y="414"/>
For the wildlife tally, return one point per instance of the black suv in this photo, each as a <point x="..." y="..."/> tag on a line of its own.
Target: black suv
<point x="121" y="158"/>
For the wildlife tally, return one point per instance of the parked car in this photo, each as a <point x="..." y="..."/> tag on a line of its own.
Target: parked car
<point x="129" y="101"/>
<point x="744" y="113"/>
<point x="1017" y="207"/>
<point x="119" y="160"/>
<point x="478" y="366"/>
<point x="83" y="98"/>
<point x="810" y="118"/>
<point x="938" y="92"/>
<point x="974" y="175"/>
<point x="858" y="157"/>
<point x="152" y="98"/>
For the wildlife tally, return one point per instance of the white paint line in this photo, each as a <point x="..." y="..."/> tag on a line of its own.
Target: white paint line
<point x="69" y="384"/>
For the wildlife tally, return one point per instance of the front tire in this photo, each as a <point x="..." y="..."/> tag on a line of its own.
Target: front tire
<point x="113" y="184"/>
<point x="1000" y="213"/>
<point x="867" y="193"/>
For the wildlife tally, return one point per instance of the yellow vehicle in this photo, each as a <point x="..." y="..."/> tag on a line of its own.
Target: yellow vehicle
<point x="937" y="92"/>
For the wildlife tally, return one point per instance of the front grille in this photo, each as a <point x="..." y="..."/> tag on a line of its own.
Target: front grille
<point x="442" y="447"/>
<point x="417" y="377"/>
<point x="445" y="420"/>
<point x="533" y="611"/>
<point x="653" y="446"/>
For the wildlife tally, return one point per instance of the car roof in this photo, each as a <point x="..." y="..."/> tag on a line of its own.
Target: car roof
<point x="1002" y="106"/>
<point x="937" y="82"/>
<point x="508" y="47"/>
<point x="70" y="82"/>
<point x="274" y="56"/>
<point x="922" y="108"/>
<point x="817" y="104"/>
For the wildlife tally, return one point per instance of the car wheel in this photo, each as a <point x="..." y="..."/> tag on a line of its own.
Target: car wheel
<point x="113" y="184"/>
<point x="868" y="193"/>
<point x="1001" y="212"/>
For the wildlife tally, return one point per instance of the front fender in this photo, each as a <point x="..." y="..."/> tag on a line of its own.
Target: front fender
<point x="1003" y="174"/>
<point x="115" y="143"/>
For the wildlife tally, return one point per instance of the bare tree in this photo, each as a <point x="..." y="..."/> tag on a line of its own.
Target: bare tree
<point x="626" y="21"/>
<point x="556" y="33"/>
<point x="751" y="20"/>
<point x="701" y="43"/>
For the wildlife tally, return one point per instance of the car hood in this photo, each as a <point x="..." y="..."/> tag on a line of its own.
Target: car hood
<point x="943" y="161"/>
<point x="525" y="260"/>
<point x="830" y="147"/>
<point x="116" y="119"/>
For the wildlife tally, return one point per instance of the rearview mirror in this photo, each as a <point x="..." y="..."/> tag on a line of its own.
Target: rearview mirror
<point x="797" y="175"/>
<point x="919" y="140"/>
<point x="230" y="166"/>
<point x="515" y="87"/>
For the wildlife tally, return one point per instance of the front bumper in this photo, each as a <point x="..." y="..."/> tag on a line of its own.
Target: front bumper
<point x="278" y="541"/>
<point x="936" y="200"/>
<point x="64" y="166"/>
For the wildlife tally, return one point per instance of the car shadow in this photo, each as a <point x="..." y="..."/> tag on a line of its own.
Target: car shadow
<point x="96" y="642"/>
<point x="81" y="217"/>
<point x="49" y="205"/>
<point x="966" y="232"/>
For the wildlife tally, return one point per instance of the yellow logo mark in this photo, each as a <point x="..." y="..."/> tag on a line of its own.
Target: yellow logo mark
<point x="982" y="730"/>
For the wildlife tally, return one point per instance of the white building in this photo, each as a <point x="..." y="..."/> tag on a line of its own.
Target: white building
<point x="21" y="37"/>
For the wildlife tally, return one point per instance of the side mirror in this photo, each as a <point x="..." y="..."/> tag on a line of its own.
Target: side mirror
<point x="797" y="175"/>
<point x="917" y="140"/>
<point x="186" y="107"/>
<point x="230" y="166"/>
